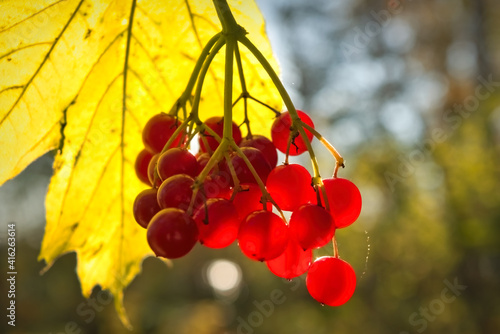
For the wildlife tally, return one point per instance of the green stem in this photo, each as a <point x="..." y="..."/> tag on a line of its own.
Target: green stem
<point x="244" y="91"/>
<point x="257" y="178"/>
<point x="286" y="99"/>
<point x="333" y="151"/>
<point x="236" y="181"/>
<point x="226" y="18"/>
<point x="335" y="248"/>
<point x="228" y="88"/>
<point x="219" y="152"/>
<point x="203" y="72"/>
<point x="176" y="133"/>
<point x="197" y="68"/>
<point x="276" y="112"/>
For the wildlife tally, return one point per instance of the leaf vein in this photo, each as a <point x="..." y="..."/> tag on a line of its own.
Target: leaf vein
<point x="11" y="87"/>
<point x="43" y="63"/>
<point x="24" y="47"/>
<point x="38" y="142"/>
<point x="31" y="16"/>
<point x="139" y="78"/>
<point x="154" y="64"/>
<point x="77" y="156"/>
<point x="108" y="47"/>
<point x="99" y="180"/>
<point x="122" y="134"/>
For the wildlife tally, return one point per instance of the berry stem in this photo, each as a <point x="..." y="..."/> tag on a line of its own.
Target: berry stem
<point x="229" y="25"/>
<point x="276" y="112"/>
<point x="335" y="248"/>
<point x="286" y="99"/>
<point x="257" y="178"/>
<point x="228" y="87"/>
<point x="244" y="91"/>
<point x="197" y="68"/>
<point x="201" y="78"/>
<point x="176" y="134"/>
<point x="236" y="181"/>
<point x="219" y="152"/>
<point x="333" y="151"/>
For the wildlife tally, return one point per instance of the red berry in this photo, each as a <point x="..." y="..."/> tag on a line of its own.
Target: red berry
<point x="264" y="145"/>
<point x="151" y="170"/>
<point x="177" y="161"/>
<point x="248" y="199"/>
<point x="172" y="233"/>
<point x="145" y="207"/>
<point x="257" y="160"/>
<point x="312" y="226"/>
<point x="158" y="131"/>
<point x="331" y="281"/>
<point x="176" y="192"/>
<point x="292" y="263"/>
<point x="217" y="186"/>
<point x="218" y="182"/>
<point x="280" y="131"/>
<point x="217" y="222"/>
<point x="344" y="200"/>
<point x="263" y="236"/>
<point x="290" y="186"/>
<point x="141" y="166"/>
<point x="216" y="123"/>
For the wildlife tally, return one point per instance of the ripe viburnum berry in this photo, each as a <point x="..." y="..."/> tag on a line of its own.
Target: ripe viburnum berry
<point x="344" y="200"/>
<point x="172" y="233"/>
<point x="217" y="223"/>
<point x="331" y="281"/>
<point x="290" y="186"/>
<point x="247" y="199"/>
<point x="263" y="236"/>
<point x="151" y="171"/>
<point x="216" y="123"/>
<point x="292" y="263"/>
<point x="141" y="166"/>
<point x="312" y="226"/>
<point x="177" y="161"/>
<point x="257" y="160"/>
<point x="280" y="133"/>
<point x="176" y="192"/>
<point x="158" y="131"/>
<point x="145" y="207"/>
<point x="264" y="145"/>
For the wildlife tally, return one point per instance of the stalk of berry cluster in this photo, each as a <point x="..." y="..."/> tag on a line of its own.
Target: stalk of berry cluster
<point x="207" y="50"/>
<point x="293" y="113"/>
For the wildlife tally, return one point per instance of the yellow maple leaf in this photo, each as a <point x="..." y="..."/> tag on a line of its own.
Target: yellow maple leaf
<point x="84" y="77"/>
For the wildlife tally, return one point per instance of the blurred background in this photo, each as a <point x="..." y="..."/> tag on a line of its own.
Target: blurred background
<point x="409" y="93"/>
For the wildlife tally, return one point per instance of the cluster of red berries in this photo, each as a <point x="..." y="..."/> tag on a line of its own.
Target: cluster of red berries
<point x="228" y="204"/>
